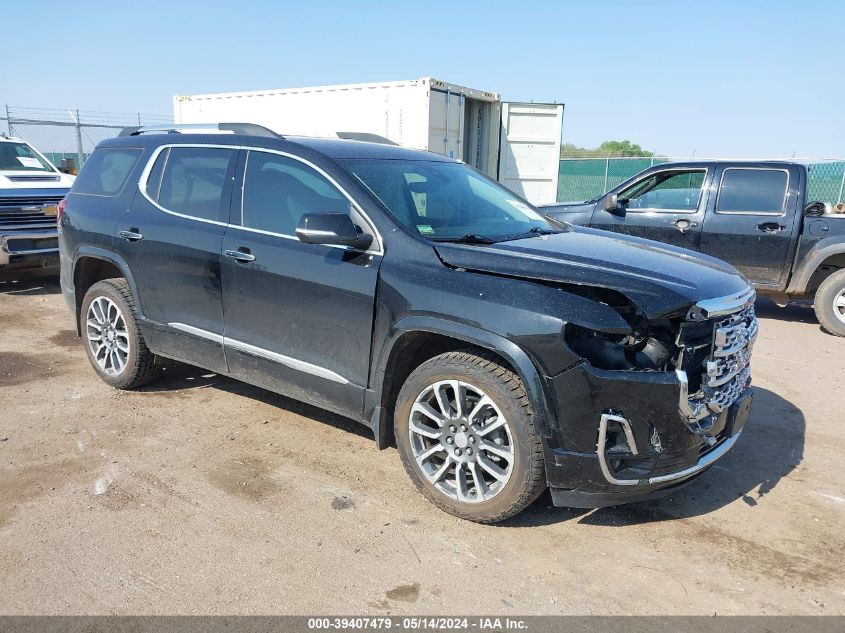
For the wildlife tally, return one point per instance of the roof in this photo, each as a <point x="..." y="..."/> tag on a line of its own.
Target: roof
<point x="729" y="161"/>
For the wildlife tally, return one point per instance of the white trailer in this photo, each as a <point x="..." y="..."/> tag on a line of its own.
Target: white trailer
<point x="516" y="143"/>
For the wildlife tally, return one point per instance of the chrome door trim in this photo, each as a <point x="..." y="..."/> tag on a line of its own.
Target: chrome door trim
<point x="293" y="363"/>
<point x="190" y="329"/>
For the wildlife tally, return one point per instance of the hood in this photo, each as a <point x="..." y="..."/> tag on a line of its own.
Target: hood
<point x="659" y="278"/>
<point x="15" y="179"/>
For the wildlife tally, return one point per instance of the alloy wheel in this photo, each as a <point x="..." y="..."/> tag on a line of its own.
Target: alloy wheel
<point x="461" y="441"/>
<point x="108" y="337"/>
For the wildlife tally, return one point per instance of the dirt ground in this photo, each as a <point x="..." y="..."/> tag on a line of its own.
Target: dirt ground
<point x="199" y="494"/>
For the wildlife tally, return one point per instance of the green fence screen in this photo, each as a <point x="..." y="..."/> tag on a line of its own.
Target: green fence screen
<point x="582" y="179"/>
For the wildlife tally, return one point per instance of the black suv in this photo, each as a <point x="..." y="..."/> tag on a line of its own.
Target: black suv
<point x="501" y="353"/>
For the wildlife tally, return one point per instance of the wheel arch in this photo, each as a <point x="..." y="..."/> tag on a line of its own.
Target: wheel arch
<point x="818" y="265"/>
<point x="415" y="339"/>
<point x="92" y="264"/>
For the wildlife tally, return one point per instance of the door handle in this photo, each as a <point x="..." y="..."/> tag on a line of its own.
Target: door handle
<point x="130" y="236"/>
<point x="771" y="227"/>
<point x="240" y="256"/>
<point x="682" y="224"/>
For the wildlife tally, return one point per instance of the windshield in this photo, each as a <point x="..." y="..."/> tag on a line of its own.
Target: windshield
<point x="445" y="201"/>
<point x="21" y="157"/>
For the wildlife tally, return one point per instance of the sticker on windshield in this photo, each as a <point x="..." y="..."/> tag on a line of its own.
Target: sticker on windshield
<point x="425" y="229"/>
<point x="28" y="161"/>
<point x="525" y="209"/>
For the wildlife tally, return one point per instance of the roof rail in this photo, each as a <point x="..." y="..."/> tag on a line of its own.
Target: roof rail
<point x="247" y="129"/>
<point x="366" y="137"/>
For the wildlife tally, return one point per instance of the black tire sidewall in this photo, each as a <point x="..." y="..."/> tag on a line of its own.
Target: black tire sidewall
<point x="504" y="503"/>
<point x="111" y="291"/>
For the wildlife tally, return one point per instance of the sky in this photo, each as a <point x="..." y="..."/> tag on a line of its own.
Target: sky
<point x="731" y="79"/>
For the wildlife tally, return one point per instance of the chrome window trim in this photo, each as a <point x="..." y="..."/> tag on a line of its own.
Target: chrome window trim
<point x="142" y="181"/>
<point x="377" y="236"/>
<point x="775" y="214"/>
<point x="288" y="361"/>
<point x="706" y="171"/>
<point x="145" y="174"/>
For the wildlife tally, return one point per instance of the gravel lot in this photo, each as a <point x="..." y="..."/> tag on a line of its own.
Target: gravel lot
<point x="203" y="495"/>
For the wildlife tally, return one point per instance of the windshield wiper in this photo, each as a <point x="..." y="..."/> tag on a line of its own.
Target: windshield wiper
<point x="469" y="238"/>
<point x="534" y="230"/>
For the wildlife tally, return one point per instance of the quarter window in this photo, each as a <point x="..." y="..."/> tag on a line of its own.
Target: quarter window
<point x="106" y="171"/>
<point x="676" y="190"/>
<point x="279" y="190"/>
<point x="752" y="191"/>
<point x="193" y="182"/>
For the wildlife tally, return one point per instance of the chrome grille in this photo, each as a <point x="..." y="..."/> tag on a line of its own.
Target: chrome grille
<point x="29" y="212"/>
<point x="725" y="371"/>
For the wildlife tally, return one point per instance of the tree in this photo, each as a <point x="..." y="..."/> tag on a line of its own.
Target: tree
<point x="608" y="148"/>
<point x="623" y="148"/>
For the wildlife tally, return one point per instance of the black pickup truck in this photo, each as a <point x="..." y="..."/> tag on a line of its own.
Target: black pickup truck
<point x="754" y="215"/>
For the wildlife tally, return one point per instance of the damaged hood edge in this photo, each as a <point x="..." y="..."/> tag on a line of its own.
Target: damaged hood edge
<point x="660" y="279"/>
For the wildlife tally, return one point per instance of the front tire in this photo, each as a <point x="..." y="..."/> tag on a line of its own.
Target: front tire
<point x="829" y="303"/>
<point x="113" y="340"/>
<point x="465" y="432"/>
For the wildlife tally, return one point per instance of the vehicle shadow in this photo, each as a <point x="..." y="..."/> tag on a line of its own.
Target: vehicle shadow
<point x="179" y="376"/>
<point x="795" y="312"/>
<point x="30" y="283"/>
<point x="771" y="446"/>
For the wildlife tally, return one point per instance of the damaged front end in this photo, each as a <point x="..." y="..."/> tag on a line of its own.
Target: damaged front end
<point x="647" y="410"/>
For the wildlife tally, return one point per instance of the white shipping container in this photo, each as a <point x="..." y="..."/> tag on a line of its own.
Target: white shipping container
<point x="427" y="114"/>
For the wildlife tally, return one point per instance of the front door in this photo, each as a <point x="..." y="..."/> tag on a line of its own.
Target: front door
<point x="298" y="317"/>
<point x="171" y="240"/>
<point x="752" y="222"/>
<point x="666" y="205"/>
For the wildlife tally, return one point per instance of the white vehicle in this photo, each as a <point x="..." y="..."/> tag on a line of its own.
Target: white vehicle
<point x="30" y="191"/>
<point x="517" y="144"/>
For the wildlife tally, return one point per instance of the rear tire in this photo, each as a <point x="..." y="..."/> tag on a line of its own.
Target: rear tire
<point x="829" y="303"/>
<point x="480" y="460"/>
<point x="112" y="338"/>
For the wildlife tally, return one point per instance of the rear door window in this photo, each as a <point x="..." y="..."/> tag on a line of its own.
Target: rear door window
<point x="752" y="191"/>
<point x="193" y="182"/>
<point x="279" y="190"/>
<point x="106" y="171"/>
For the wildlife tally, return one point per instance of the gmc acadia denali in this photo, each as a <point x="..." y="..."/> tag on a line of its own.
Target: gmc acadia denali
<point x="499" y="352"/>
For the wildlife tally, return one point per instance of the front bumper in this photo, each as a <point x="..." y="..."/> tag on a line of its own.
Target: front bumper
<point x="27" y="249"/>
<point x="621" y="437"/>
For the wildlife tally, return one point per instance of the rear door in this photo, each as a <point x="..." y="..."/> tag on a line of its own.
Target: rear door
<point x="299" y="316"/>
<point x="171" y="240"/>
<point x="751" y="222"/>
<point x="666" y="205"/>
<point x="529" y="150"/>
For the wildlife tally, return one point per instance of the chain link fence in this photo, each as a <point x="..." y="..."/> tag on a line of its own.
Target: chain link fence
<point x="67" y="137"/>
<point x="587" y="178"/>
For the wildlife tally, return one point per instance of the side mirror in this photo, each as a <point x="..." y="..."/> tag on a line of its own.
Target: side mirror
<point x="332" y="228"/>
<point x="611" y="204"/>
